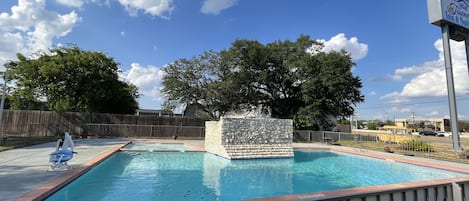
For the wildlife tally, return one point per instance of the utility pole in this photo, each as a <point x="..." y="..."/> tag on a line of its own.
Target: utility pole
<point x="413" y="122"/>
<point x="2" y="103"/>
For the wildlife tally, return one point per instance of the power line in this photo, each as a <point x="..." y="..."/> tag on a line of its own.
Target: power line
<point x="389" y="104"/>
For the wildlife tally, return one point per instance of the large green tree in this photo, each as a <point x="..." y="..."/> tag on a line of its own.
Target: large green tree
<point x="72" y="79"/>
<point x="329" y="88"/>
<point x="188" y="82"/>
<point x="289" y="77"/>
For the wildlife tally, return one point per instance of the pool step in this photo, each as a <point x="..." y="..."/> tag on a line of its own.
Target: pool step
<point x="258" y="151"/>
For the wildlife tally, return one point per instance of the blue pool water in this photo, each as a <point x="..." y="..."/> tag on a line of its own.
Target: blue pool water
<point x="156" y="147"/>
<point x="203" y="176"/>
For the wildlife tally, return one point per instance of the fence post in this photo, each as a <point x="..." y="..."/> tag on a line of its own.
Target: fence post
<point x="429" y="149"/>
<point x="457" y="192"/>
<point x="151" y="130"/>
<point x="29" y="134"/>
<point x="323" y="136"/>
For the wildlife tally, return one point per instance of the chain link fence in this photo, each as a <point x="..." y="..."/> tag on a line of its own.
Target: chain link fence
<point x="420" y="146"/>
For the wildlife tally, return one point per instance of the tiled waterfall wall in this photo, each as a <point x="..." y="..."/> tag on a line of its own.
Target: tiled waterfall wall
<point x="243" y="138"/>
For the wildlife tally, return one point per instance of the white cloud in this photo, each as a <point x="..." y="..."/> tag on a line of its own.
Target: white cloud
<point x="11" y="43"/>
<point x="45" y="31"/>
<point x="429" y="79"/>
<point x="148" y="80"/>
<point x="72" y="3"/>
<point x="81" y="3"/>
<point x="153" y="7"/>
<point x="372" y="93"/>
<point x="338" y="42"/>
<point x="122" y="33"/>
<point x="433" y="114"/>
<point x="160" y="8"/>
<point x="30" y="28"/>
<point x="214" y="7"/>
<point x="410" y="72"/>
<point x="416" y="70"/>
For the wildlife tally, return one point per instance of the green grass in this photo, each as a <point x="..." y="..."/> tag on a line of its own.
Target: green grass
<point x="416" y="146"/>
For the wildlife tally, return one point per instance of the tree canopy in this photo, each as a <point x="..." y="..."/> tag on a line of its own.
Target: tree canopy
<point x="71" y="79"/>
<point x="295" y="79"/>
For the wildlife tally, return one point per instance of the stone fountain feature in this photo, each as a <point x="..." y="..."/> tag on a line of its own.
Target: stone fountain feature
<point x="250" y="135"/>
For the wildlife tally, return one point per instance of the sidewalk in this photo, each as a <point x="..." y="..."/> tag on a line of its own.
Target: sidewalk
<point x="25" y="169"/>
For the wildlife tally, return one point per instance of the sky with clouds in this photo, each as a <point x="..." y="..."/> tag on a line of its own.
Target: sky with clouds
<point x="399" y="55"/>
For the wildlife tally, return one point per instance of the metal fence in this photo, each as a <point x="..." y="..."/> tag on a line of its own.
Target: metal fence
<point x="330" y="137"/>
<point x="427" y="147"/>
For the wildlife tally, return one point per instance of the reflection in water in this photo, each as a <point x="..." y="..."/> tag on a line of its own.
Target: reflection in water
<point x="308" y="155"/>
<point x="257" y="178"/>
<point x="212" y="171"/>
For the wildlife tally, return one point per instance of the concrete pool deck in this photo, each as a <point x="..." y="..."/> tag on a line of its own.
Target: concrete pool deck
<point x="24" y="175"/>
<point x="26" y="169"/>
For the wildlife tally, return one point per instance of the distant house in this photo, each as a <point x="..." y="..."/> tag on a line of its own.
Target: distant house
<point x="148" y="112"/>
<point x="196" y="110"/>
<point x="437" y="124"/>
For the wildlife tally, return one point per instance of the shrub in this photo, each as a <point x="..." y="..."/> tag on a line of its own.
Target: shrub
<point x="416" y="146"/>
<point x="464" y="154"/>
<point x="388" y="149"/>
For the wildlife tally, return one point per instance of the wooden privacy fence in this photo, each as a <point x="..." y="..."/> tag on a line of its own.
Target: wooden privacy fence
<point x="48" y="123"/>
<point x="129" y="130"/>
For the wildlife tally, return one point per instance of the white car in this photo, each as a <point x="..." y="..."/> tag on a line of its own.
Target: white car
<point x="444" y="134"/>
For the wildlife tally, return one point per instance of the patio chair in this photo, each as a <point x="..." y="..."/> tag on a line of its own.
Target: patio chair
<point x="63" y="153"/>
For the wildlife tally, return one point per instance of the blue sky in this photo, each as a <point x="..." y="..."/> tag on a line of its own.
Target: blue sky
<point x="397" y="52"/>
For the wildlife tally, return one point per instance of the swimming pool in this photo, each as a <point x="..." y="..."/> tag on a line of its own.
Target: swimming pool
<point x="159" y="147"/>
<point x="203" y="176"/>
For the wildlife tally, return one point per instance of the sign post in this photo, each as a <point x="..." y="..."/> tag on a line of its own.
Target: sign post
<point x="453" y="18"/>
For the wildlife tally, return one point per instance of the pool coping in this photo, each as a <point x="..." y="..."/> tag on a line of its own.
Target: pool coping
<point x="50" y="187"/>
<point x="45" y="190"/>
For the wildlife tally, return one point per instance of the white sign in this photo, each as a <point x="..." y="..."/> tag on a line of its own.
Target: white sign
<point x="449" y="11"/>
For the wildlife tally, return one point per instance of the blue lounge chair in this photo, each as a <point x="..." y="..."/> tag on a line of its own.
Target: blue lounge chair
<point x="62" y="154"/>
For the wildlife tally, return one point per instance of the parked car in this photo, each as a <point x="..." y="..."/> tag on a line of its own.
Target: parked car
<point x="430" y="133"/>
<point x="444" y="134"/>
